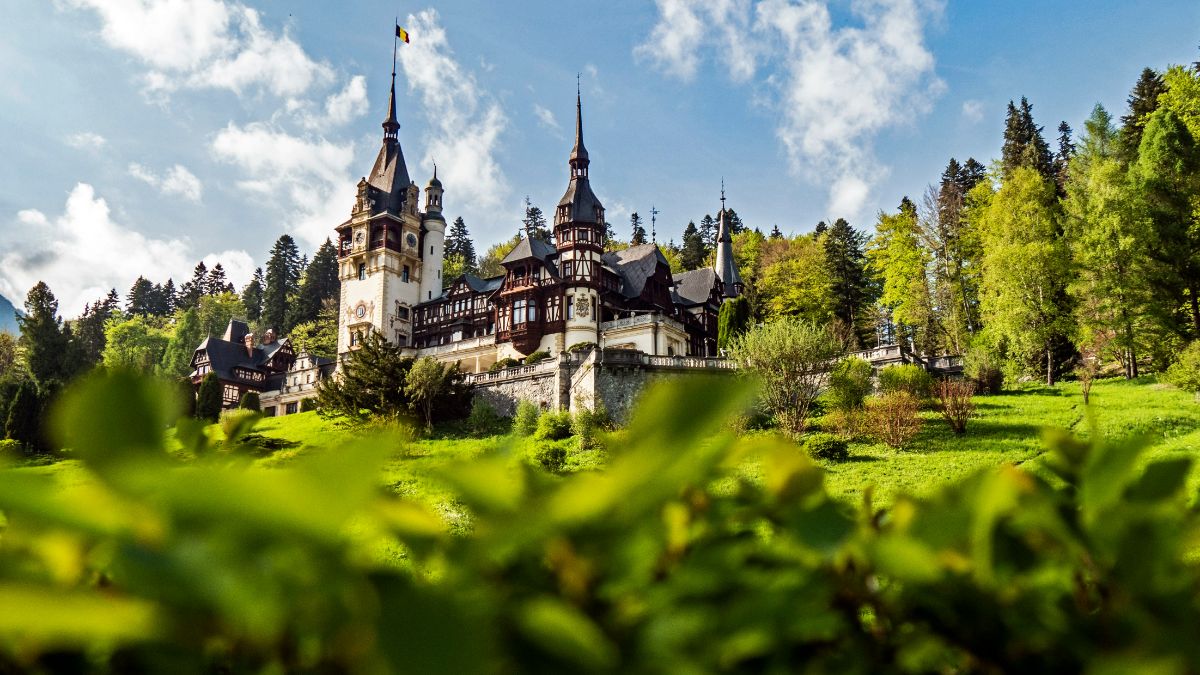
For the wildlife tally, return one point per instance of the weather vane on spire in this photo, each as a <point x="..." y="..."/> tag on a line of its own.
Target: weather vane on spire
<point x="653" y="217"/>
<point x="722" y="193"/>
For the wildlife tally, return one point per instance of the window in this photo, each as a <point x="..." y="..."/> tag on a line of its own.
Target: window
<point x="231" y="393"/>
<point x="568" y="269"/>
<point x="431" y="249"/>
<point x="570" y="308"/>
<point x="402" y="312"/>
<point x="269" y="411"/>
<point x="519" y="312"/>
<point x="404" y="274"/>
<point x="362" y="271"/>
<point x="533" y="311"/>
<point x="401" y="339"/>
<point x="291" y="408"/>
<point x="353" y="338"/>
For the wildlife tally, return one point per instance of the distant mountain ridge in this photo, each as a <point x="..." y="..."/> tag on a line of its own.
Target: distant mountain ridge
<point x="8" y="318"/>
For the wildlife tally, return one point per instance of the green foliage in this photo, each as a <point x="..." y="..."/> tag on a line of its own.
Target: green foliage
<point x="826" y="446"/>
<point x="982" y="366"/>
<point x="489" y="264"/>
<point x="551" y="457"/>
<point x="11" y="450"/>
<point x="900" y="262"/>
<point x="371" y="382"/>
<point x="795" y="280"/>
<point x="250" y="401"/>
<point x="23" y="416"/>
<point x="283" y="283"/>
<point x="134" y="343"/>
<point x="892" y="418"/>
<point x="506" y="362"/>
<point x="318" y="337"/>
<point x="214" y="312"/>
<point x="1185" y="373"/>
<point x="525" y="422"/>
<point x="850" y="383"/>
<point x="427" y="381"/>
<point x="790" y="357"/>
<point x="553" y="426"/>
<point x="588" y="423"/>
<point x="308" y="404"/>
<point x="46" y="341"/>
<point x="538" y="356"/>
<point x="581" y="347"/>
<point x="319" y="287"/>
<point x="909" y="378"/>
<point x="181" y="347"/>
<point x="209" y="398"/>
<point x="732" y="320"/>
<point x="1004" y="571"/>
<point x="483" y="420"/>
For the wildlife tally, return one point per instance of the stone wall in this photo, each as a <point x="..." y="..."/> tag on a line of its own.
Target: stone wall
<point x="503" y="396"/>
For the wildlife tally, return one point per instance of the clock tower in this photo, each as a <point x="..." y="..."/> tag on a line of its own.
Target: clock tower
<point x="380" y="249"/>
<point x="579" y="232"/>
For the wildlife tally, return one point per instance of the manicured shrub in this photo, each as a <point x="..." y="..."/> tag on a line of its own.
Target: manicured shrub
<point x="525" y="422"/>
<point x="538" y="356"/>
<point x="22" y="422"/>
<point x="732" y="320"/>
<point x="11" y="450"/>
<point x="587" y="423"/>
<point x="208" y="398"/>
<point x="551" y="457"/>
<point x="483" y="420"/>
<point x="238" y="422"/>
<point x="308" y="404"/>
<point x="954" y="402"/>
<point x="850" y="383"/>
<point x="983" y="367"/>
<point x="909" y="378"/>
<point x="553" y="426"/>
<point x="250" y="401"/>
<point x="826" y="446"/>
<point x="893" y="419"/>
<point x="1185" y="373"/>
<point x="581" y="346"/>
<point x="506" y="362"/>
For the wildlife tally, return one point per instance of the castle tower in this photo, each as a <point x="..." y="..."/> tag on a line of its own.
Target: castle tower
<point x="724" y="264"/>
<point x="380" y="248"/>
<point x="579" y="234"/>
<point x="433" y="246"/>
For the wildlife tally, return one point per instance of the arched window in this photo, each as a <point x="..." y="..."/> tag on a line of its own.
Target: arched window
<point x="362" y="271"/>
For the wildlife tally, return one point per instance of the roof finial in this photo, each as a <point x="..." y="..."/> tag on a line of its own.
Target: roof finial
<point x="390" y="125"/>
<point x="579" y="154"/>
<point x="653" y="217"/>
<point x="722" y="193"/>
<point x="435" y="169"/>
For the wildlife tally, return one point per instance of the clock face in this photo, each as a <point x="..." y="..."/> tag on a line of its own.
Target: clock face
<point x="360" y="312"/>
<point x="359" y="237"/>
<point x="411" y="239"/>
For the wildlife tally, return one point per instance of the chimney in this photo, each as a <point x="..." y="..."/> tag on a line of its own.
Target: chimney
<point x="249" y="340"/>
<point x="269" y="337"/>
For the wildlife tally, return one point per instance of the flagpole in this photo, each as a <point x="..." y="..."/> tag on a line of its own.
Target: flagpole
<point x="395" y="43"/>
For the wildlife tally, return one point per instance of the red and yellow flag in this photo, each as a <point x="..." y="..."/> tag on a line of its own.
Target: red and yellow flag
<point x="402" y="34"/>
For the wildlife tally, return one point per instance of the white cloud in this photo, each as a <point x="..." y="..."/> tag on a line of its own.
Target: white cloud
<point x="307" y="179"/>
<point x="546" y="118"/>
<point x="465" y="121"/>
<point x="206" y="44"/>
<point x="340" y="107"/>
<point x="834" y="87"/>
<point x="176" y="181"/>
<point x="972" y="110"/>
<point x="83" y="253"/>
<point x="86" y="140"/>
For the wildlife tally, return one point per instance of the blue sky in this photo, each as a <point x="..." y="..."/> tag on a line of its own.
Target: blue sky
<point x="141" y="136"/>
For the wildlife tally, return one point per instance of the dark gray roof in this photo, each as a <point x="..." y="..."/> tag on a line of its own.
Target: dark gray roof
<point x="227" y="355"/>
<point x="530" y="247"/>
<point x="389" y="179"/>
<point x="479" y="285"/>
<point x="634" y="265"/>
<point x="585" y="206"/>
<point x="236" y="331"/>
<point x="724" y="264"/>
<point x="694" y="287"/>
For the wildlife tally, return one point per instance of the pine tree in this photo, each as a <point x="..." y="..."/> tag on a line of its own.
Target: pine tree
<point x="1143" y="100"/>
<point x="216" y="283"/>
<point x="458" y="242"/>
<point x="371" y="381"/>
<point x="90" y="326"/>
<point x="708" y="234"/>
<point x="850" y="282"/>
<point x="140" y="300"/>
<point x="1024" y="144"/>
<point x="22" y="419"/>
<point x="535" y="222"/>
<point x="209" y="398"/>
<point x="191" y="291"/>
<point x="283" y="279"/>
<point x="252" y="295"/>
<point x="638" y="235"/>
<point x="693" y="252"/>
<point x="177" y="357"/>
<point x="775" y="233"/>
<point x="45" y="339"/>
<point x="822" y="227"/>
<point x="320" y="284"/>
<point x="734" y="222"/>
<point x="166" y="298"/>
<point x="1062" y="158"/>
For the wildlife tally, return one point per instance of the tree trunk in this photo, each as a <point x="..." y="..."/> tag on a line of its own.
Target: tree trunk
<point x="1049" y="366"/>
<point x="1195" y="310"/>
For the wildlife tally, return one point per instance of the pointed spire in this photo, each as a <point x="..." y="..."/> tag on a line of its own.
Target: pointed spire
<point x="579" y="154"/>
<point x="390" y="125"/>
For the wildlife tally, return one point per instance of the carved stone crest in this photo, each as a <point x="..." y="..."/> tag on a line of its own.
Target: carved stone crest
<point x="583" y="305"/>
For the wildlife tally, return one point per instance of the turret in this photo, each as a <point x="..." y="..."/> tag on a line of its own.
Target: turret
<point x="433" y="247"/>
<point x="724" y="264"/>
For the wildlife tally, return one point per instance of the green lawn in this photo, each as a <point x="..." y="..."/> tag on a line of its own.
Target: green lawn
<point x="1009" y="428"/>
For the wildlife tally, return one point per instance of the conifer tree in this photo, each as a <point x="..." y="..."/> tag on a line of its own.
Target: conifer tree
<point x="320" y="284"/>
<point x="822" y="226"/>
<point x="217" y="283"/>
<point x="775" y="233"/>
<point x="90" y="326"/>
<point x="708" y="235"/>
<point x="252" y="295"/>
<point x="46" y="341"/>
<point x="1024" y="144"/>
<point x="1062" y="158"/>
<point x="1143" y="100"/>
<point x="166" y="298"/>
<point x="23" y="416"/>
<point x="535" y="222"/>
<point x="191" y="291"/>
<point x="371" y="382"/>
<point x="850" y="281"/>
<point x="734" y="222"/>
<point x="140" y="300"/>
<point x="638" y="235"/>
<point x="458" y="242"/>
<point x="209" y="398"/>
<point x="693" y="251"/>
<point x="188" y="333"/>
<point x="283" y="280"/>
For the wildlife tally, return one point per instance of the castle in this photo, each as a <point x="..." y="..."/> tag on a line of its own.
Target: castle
<point x="567" y="298"/>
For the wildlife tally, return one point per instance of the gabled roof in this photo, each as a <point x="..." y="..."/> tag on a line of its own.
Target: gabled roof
<point x="226" y="356"/>
<point x="634" y="265"/>
<point x="530" y="247"/>
<point x="695" y="287"/>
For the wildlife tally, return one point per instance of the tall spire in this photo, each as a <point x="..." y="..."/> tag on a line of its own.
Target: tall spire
<point x="390" y="125"/>
<point x="579" y="154"/>
<point x="723" y="263"/>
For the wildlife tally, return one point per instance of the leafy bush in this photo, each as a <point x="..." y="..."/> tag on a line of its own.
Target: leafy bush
<point x="847" y="424"/>
<point x="11" y="450"/>
<point x="506" y="362"/>
<point x="483" y="420"/>
<point x="983" y="367"/>
<point x="826" y="446"/>
<point x="236" y="424"/>
<point x="208" y="398"/>
<point x="893" y="419"/>
<point x="536" y="357"/>
<point x="850" y="383"/>
<point x="909" y="378"/>
<point x="1185" y="373"/>
<point x="552" y="457"/>
<point x="581" y="346"/>
<point x="954" y="402"/>
<point x="525" y="422"/>
<point x="308" y="404"/>
<point x="1090" y="570"/>
<point x="250" y="401"/>
<point x="553" y="426"/>
<point x="587" y="423"/>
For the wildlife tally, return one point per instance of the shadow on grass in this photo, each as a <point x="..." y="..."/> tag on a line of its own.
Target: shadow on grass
<point x="858" y="459"/>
